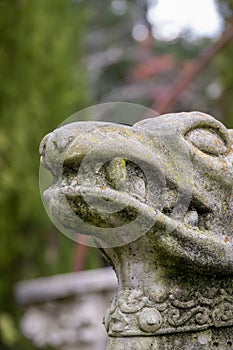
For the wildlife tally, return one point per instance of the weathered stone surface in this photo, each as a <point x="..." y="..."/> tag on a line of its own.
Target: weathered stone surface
<point x="158" y="198"/>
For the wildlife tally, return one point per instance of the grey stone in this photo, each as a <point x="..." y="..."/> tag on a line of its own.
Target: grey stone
<point x="66" y="311"/>
<point x="157" y="197"/>
<point x="65" y="285"/>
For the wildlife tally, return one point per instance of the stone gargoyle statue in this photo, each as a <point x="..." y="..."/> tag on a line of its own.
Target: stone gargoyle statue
<point x="156" y="197"/>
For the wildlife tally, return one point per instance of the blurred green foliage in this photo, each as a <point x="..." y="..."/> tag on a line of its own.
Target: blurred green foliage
<point x="42" y="83"/>
<point x="8" y="330"/>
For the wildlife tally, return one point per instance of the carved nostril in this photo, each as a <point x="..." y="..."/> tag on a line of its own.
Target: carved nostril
<point x="57" y="144"/>
<point x="60" y="144"/>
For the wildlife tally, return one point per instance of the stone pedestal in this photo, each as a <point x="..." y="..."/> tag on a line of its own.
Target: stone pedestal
<point x="212" y="339"/>
<point x="65" y="312"/>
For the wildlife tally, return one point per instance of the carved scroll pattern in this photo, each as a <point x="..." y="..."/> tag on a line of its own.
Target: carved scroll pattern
<point x="133" y="313"/>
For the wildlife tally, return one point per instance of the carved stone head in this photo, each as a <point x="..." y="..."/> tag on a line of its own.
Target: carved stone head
<point x="169" y="177"/>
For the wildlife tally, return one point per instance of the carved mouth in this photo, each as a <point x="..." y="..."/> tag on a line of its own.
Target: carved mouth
<point x="113" y="197"/>
<point x="90" y="205"/>
<point x="118" y="193"/>
<point x="118" y="175"/>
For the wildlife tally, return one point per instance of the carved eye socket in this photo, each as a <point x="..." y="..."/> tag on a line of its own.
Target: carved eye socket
<point x="207" y="140"/>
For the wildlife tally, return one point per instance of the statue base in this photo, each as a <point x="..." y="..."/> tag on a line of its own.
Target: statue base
<point x="211" y="339"/>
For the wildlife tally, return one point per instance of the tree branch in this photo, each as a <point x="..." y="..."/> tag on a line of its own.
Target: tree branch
<point x="166" y="100"/>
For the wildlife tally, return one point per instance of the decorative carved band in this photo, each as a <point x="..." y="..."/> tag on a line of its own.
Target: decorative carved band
<point x="133" y="314"/>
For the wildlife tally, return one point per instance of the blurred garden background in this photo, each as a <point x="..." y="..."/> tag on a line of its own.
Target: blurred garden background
<point x="60" y="56"/>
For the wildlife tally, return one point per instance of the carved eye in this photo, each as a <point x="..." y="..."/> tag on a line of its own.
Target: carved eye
<point x="207" y="140"/>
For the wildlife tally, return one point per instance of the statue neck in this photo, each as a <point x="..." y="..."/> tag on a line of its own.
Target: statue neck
<point x="155" y="298"/>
